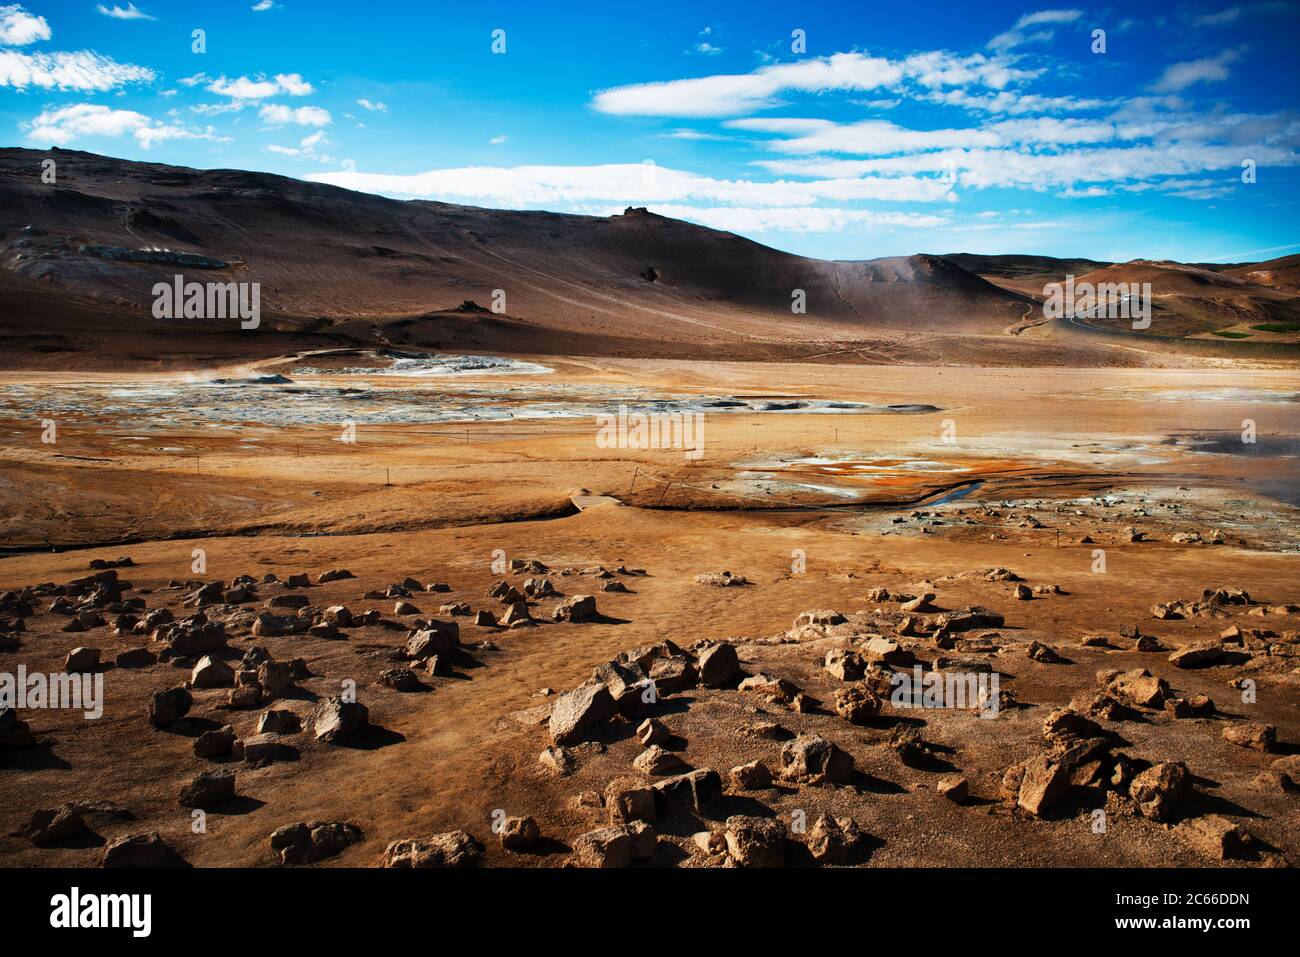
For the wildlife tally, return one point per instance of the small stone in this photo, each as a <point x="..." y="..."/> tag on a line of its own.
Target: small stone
<point x="212" y="672"/>
<point x="656" y="761"/>
<point x="209" y="789"/>
<point x="215" y="743"/>
<point x="454" y="849"/>
<point x="1251" y="734"/>
<point x="954" y="789"/>
<point x="753" y="776"/>
<point x="519" y="833"/>
<point x="168" y="707"/>
<point x="755" y="841"/>
<point x="1215" y="836"/>
<point x="81" y="660"/>
<point x="652" y="731"/>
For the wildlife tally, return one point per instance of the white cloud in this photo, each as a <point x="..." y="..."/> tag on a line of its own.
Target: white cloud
<point x="497" y="140"/>
<point x="1048" y="19"/>
<point x="734" y="94"/>
<point x="242" y="88"/>
<point x="84" y="70"/>
<point x="635" y="183"/>
<point x="1218" y="19"/>
<point x="1041" y="171"/>
<point x="19" y="28"/>
<point x="690" y="135"/>
<point x="66" y="124"/>
<point x="707" y="48"/>
<point x="279" y="115"/>
<point x="373" y="106"/>
<point x="263" y="5"/>
<point x="129" y="12"/>
<point x="1179" y="76"/>
<point x="306" y="148"/>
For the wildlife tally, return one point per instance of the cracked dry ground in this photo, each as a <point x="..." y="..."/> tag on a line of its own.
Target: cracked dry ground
<point x="465" y="745"/>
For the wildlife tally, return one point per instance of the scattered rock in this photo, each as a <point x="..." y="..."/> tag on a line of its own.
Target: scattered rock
<point x="337" y="721"/>
<point x="1251" y="734"/>
<point x="718" y="665"/>
<point x="138" y="850"/>
<point x="615" y="846"/>
<point x="755" y="841"/>
<point x="811" y="759"/>
<point x="209" y="789"/>
<point x="168" y="707"/>
<point x="519" y="833"/>
<point x="306" y="843"/>
<point x="753" y="776"/>
<point x="577" y="712"/>
<point x="654" y="760"/>
<point x="1214" y="836"/>
<point x="451" y="849"/>
<point x="1160" y="789"/>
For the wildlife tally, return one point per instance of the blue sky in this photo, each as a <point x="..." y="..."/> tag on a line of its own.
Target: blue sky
<point x="895" y="128"/>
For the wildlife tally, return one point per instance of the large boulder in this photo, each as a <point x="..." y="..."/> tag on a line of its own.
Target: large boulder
<point x="655" y="761"/>
<point x="755" y="841"/>
<point x="1160" y="789"/>
<point x="576" y="608"/>
<point x="209" y="789"/>
<point x="306" y="843"/>
<point x="577" y="712"/>
<point x="1197" y="654"/>
<point x="1215" y="836"/>
<point x="1045" y="781"/>
<point x="689" y="793"/>
<point x="435" y="638"/>
<point x="168" y="707"/>
<point x="811" y="759"/>
<point x="451" y="849"/>
<point x="719" y="665"/>
<point x="338" y="721"/>
<point x="138" y="850"/>
<point x="49" y="825"/>
<point x="1251" y="734"/>
<point x="212" y="672"/>
<point x="1139" y="687"/>
<point x="834" y="840"/>
<point x="629" y="800"/>
<point x="615" y="846"/>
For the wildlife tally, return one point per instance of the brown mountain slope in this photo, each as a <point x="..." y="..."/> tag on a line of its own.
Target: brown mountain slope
<point x="1197" y="301"/>
<point x="327" y="253"/>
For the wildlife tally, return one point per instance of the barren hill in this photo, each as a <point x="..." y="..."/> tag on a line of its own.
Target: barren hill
<point x="333" y="256"/>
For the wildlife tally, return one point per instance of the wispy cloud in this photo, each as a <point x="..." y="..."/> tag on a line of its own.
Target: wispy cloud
<point x="738" y="94"/>
<point x="1179" y="76"/>
<point x="373" y="106"/>
<point x="129" y="12"/>
<point x="243" y="88"/>
<point x="277" y="114"/>
<point x="83" y="71"/>
<point x="66" y="124"/>
<point x="534" y="186"/>
<point x="1046" y="20"/>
